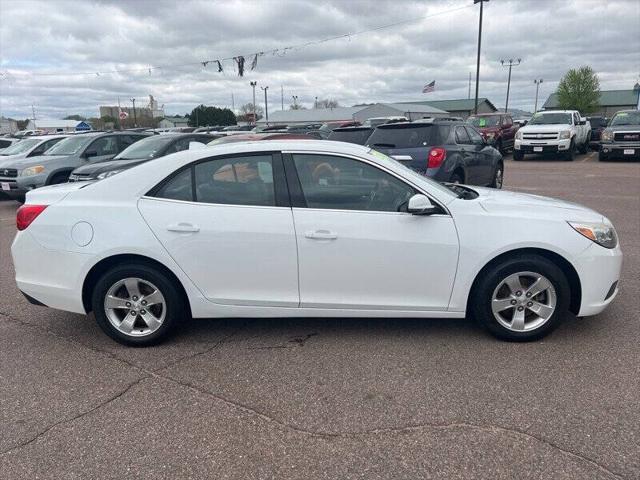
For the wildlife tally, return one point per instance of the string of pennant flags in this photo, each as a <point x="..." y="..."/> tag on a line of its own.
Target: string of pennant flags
<point x="238" y="60"/>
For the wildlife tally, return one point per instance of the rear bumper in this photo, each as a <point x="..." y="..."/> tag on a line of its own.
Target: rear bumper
<point x="599" y="270"/>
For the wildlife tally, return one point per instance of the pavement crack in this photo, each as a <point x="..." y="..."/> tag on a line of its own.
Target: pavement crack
<point x="75" y="417"/>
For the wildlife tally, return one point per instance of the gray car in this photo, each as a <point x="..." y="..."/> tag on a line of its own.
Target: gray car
<point x="57" y="163"/>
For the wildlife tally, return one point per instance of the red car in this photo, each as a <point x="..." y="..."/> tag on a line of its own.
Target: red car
<point x="497" y="129"/>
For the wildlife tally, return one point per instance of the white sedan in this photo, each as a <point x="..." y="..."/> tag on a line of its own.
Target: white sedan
<point x="307" y="228"/>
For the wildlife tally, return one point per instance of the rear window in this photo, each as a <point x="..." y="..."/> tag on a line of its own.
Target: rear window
<point x="405" y="136"/>
<point x="358" y="136"/>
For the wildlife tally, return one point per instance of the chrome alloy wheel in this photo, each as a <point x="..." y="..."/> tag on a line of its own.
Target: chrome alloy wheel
<point x="135" y="307"/>
<point x="499" y="178"/>
<point x="523" y="301"/>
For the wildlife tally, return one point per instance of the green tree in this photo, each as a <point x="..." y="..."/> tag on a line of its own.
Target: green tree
<point x="203" y="116"/>
<point x="579" y="90"/>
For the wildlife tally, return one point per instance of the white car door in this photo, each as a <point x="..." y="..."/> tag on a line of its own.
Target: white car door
<point x="356" y="249"/>
<point x="227" y="223"/>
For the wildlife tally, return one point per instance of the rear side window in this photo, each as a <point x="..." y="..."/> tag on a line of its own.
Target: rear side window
<point x="401" y="136"/>
<point x="357" y="136"/>
<point x="462" y="137"/>
<point x="178" y="188"/>
<point x="4" y="143"/>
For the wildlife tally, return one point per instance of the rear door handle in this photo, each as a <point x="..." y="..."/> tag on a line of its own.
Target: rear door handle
<point x="321" y="235"/>
<point x="183" y="228"/>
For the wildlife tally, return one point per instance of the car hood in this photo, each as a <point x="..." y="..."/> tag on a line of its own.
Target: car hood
<point x="504" y="201"/>
<point x="11" y="158"/>
<point x="30" y="161"/>
<point x="545" y="128"/>
<point x="99" y="167"/>
<point x="618" y="128"/>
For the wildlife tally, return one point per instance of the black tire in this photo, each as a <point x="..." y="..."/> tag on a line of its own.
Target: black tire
<point x="518" y="155"/>
<point x="499" y="146"/>
<point x="570" y="154"/>
<point x="498" y="176"/>
<point x="175" y="303"/>
<point x="481" y="297"/>
<point x="456" y="177"/>
<point x="20" y="198"/>
<point x="584" y="148"/>
<point x="602" y="157"/>
<point x="59" y="178"/>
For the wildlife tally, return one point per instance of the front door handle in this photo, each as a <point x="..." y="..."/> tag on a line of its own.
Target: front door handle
<point x="321" y="235"/>
<point x="183" y="228"/>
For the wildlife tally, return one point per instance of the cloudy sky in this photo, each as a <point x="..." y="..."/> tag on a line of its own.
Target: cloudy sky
<point x="44" y="44"/>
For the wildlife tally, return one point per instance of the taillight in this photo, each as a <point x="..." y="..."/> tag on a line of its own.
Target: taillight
<point x="26" y="214"/>
<point x="436" y="157"/>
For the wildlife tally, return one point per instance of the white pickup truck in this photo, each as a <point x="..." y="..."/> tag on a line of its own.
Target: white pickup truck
<point x="553" y="131"/>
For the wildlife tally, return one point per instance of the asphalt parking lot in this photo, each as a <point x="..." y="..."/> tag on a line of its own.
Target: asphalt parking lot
<point x="333" y="398"/>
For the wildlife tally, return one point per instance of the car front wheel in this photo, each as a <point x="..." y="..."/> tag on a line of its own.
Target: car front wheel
<point x="137" y="305"/>
<point x="518" y="155"/>
<point x="521" y="299"/>
<point x="498" y="177"/>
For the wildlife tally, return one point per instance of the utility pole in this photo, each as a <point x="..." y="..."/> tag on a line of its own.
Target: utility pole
<point x="295" y="101"/>
<point x="253" y="86"/>
<point x="537" y="82"/>
<point x="33" y="114"/>
<point x="233" y="104"/>
<point x="282" y="97"/>
<point x="509" y="63"/>
<point x="135" y="120"/>
<point x="315" y="103"/>
<point x="481" y="2"/>
<point x="266" y="105"/>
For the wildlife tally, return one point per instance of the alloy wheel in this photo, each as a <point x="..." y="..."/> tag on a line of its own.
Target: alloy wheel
<point x="523" y="301"/>
<point x="135" y="307"/>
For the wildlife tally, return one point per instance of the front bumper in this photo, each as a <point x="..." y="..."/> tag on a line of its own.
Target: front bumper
<point x="34" y="181"/>
<point x="542" y="146"/>
<point x="11" y="189"/>
<point x="599" y="270"/>
<point x="620" y="150"/>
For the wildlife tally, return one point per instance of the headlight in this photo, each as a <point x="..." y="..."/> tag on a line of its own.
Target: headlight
<point x="36" y="169"/>
<point x="565" y="134"/>
<point x="600" y="233"/>
<point x="104" y="175"/>
<point x="518" y="135"/>
<point x="607" y="136"/>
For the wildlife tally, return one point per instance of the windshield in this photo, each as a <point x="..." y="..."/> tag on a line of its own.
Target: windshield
<point x="357" y="135"/>
<point x="414" y="176"/>
<point x="481" y="122"/>
<point x="21" y="147"/>
<point x="556" y="118"/>
<point x="70" y="145"/>
<point x="145" y="148"/>
<point x="626" y="118"/>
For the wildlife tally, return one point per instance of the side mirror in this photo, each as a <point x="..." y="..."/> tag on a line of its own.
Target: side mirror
<point x="421" y="205"/>
<point x="90" y="153"/>
<point x="583" y="121"/>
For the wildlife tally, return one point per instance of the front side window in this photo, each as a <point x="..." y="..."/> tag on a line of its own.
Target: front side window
<point x="104" y="146"/>
<point x="462" y="137"/>
<point x="340" y="183"/>
<point x="476" y="138"/>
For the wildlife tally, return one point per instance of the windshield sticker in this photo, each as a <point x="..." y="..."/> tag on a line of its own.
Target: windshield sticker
<point x="622" y="114"/>
<point x="482" y="122"/>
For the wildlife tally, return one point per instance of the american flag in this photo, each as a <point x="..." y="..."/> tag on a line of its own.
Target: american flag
<point x="429" y="87"/>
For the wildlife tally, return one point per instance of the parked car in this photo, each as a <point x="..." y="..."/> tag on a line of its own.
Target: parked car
<point x="498" y="129"/>
<point x="146" y="149"/>
<point x="358" y="135"/>
<point x="328" y="127"/>
<point x="6" y="142"/>
<point x="553" y="132"/>
<point x="598" y="124"/>
<point x="445" y="150"/>
<point x="520" y="122"/>
<point x="57" y="163"/>
<point x="254" y="137"/>
<point x="375" y="121"/>
<point x="621" y="139"/>
<point x="29" y="147"/>
<point x="307" y="229"/>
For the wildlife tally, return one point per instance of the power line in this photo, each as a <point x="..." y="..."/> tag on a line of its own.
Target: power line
<point x="280" y="51"/>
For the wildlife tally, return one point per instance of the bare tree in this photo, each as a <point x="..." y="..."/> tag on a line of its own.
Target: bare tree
<point x="327" y="103"/>
<point x="297" y="106"/>
<point x="246" y="112"/>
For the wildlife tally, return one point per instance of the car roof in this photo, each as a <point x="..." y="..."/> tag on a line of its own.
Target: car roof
<point x="353" y="128"/>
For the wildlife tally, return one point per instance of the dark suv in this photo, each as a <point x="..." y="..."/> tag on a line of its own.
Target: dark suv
<point x="621" y="139"/>
<point x="55" y="165"/>
<point x="447" y="151"/>
<point x="497" y="129"/>
<point x="598" y="124"/>
<point x="358" y="135"/>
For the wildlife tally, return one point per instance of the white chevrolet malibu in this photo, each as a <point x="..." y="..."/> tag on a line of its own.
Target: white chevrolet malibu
<point x="307" y="229"/>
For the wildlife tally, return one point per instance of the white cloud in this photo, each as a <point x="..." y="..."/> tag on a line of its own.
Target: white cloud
<point x="386" y="65"/>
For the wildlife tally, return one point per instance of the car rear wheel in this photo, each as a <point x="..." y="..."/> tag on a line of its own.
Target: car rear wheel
<point x="137" y="305"/>
<point x="498" y="177"/>
<point x="521" y="299"/>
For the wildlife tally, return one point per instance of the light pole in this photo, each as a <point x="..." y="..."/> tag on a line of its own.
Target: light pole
<point x="509" y="63"/>
<point x="295" y="101"/>
<point x="253" y="86"/>
<point x="481" y="2"/>
<point x="315" y="103"/>
<point x="537" y="82"/>
<point x="266" y="105"/>
<point x="135" y="121"/>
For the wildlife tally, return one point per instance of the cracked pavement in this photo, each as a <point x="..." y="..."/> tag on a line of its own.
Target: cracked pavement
<point x="333" y="398"/>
